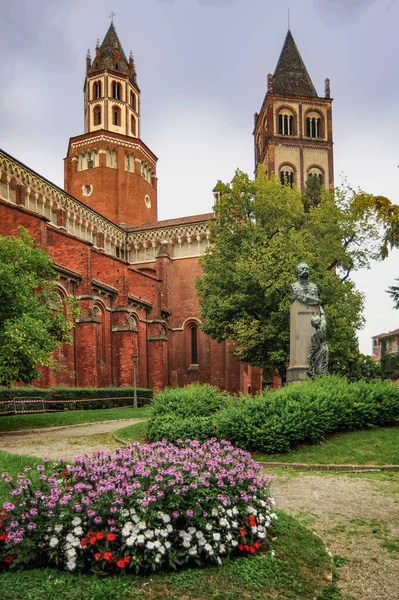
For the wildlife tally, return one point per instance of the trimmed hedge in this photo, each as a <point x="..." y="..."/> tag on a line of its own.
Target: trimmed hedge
<point x="277" y="421"/>
<point x="71" y="398"/>
<point x="186" y="413"/>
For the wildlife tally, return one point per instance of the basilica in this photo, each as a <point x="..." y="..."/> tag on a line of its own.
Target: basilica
<point x="133" y="275"/>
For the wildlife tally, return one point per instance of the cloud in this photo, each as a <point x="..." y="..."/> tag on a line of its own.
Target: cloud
<point x="346" y="12"/>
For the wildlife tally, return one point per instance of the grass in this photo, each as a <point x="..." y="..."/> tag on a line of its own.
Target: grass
<point x="133" y="433"/>
<point x="297" y="571"/>
<point x="377" y="446"/>
<point x="13" y="463"/>
<point x="73" y="417"/>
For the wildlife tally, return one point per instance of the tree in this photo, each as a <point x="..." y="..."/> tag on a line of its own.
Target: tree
<point x="393" y="291"/>
<point x="261" y="231"/>
<point x="33" y="319"/>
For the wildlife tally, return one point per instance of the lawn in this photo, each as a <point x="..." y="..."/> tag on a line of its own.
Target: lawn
<point x="297" y="571"/>
<point x="377" y="446"/>
<point x="133" y="433"/>
<point x="72" y="417"/>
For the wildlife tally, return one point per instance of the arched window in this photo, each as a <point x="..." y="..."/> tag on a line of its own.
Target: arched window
<point x="133" y="100"/>
<point x="287" y="176"/>
<point x="97" y="115"/>
<point x="100" y="338"/>
<point x="316" y="172"/>
<point x="313" y="125"/>
<point x="97" y="89"/>
<point x="116" y="90"/>
<point x="194" y="344"/>
<point x="116" y="115"/>
<point x="133" y="125"/>
<point x="285" y="122"/>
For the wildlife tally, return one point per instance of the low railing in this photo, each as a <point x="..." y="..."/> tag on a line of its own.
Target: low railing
<point x="19" y="405"/>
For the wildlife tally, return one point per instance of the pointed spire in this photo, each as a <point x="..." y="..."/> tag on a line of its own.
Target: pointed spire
<point x="110" y="50"/>
<point x="291" y="76"/>
<point x="88" y="60"/>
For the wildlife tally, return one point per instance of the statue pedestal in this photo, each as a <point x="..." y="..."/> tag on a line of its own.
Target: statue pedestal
<point x="300" y="340"/>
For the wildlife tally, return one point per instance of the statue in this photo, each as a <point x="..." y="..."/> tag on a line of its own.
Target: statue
<point x="318" y="357"/>
<point x="302" y="289"/>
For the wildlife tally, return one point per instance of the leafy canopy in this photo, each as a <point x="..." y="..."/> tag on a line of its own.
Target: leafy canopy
<point x="33" y="319"/>
<point x="261" y="231"/>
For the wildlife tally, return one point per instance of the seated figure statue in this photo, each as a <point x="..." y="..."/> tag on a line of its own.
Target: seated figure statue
<point x="302" y="289"/>
<point x="318" y="357"/>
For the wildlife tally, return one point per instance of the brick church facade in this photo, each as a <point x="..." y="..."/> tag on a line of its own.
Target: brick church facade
<point x="134" y="276"/>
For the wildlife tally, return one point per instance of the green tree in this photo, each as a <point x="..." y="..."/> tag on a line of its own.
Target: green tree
<point x="393" y="291"/>
<point x="33" y="319"/>
<point x="260" y="233"/>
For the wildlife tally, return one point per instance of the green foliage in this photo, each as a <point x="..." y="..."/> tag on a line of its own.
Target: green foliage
<point x="312" y="194"/>
<point x="389" y="365"/>
<point x="274" y="422"/>
<point x="33" y="320"/>
<point x="360" y="366"/>
<point x="185" y="413"/>
<point x="260" y="233"/>
<point x="393" y="291"/>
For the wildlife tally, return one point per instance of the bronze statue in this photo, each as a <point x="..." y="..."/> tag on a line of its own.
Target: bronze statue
<point x="318" y="357"/>
<point x="302" y="289"/>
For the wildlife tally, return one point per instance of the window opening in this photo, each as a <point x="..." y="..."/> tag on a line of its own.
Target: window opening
<point x="194" y="346"/>
<point x="285" y="124"/>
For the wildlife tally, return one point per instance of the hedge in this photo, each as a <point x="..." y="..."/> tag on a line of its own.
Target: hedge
<point x="277" y="421"/>
<point x="185" y="413"/>
<point x="69" y="398"/>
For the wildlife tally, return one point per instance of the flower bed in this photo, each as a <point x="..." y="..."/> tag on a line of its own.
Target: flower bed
<point x="141" y="508"/>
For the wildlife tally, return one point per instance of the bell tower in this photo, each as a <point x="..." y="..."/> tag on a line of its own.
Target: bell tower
<point x="109" y="167"/>
<point x="293" y="130"/>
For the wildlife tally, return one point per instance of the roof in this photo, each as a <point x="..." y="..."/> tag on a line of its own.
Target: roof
<point x="291" y="76"/>
<point x="173" y="222"/>
<point x="110" y="42"/>
<point x="386" y="334"/>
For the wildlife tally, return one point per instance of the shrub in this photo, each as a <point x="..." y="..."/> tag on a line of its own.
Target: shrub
<point x="185" y="413"/>
<point x="306" y="413"/>
<point x="142" y="508"/>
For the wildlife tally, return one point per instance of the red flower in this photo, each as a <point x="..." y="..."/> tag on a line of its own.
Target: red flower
<point x="65" y="473"/>
<point x="9" y="559"/>
<point x="246" y="547"/>
<point x="93" y="540"/>
<point x="252" y="521"/>
<point x="108" y="556"/>
<point x="240" y="547"/>
<point x="121" y="563"/>
<point x="100" y="535"/>
<point x="90" y="533"/>
<point x="3" y="536"/>
<point x="97" y="555"/>
<point x="83" y="542"/>
<point x="243" y="532"/>
<point x="251" y="549"/>
<point x="126" y="559"/>
<point x="257" y="544"/>
<point x="111" y="537"/>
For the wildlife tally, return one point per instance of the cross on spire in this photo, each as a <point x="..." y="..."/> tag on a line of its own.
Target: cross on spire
<point x="111" y="16"/>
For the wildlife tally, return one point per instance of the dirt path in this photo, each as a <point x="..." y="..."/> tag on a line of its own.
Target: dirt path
<point x="357" y="517"/>
<point x="64" y="442"/>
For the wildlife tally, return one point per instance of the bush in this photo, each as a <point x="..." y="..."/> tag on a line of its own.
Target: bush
<point x="306" y="413"/>
<point x="143" y="508"/>
<point x="181" y="413"/>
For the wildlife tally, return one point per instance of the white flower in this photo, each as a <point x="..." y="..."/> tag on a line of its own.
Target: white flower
<point x="229" y="537"/>
<point x="150" y="545"/>
<point x="71" y="553"/>
<point x="209" y="549"/>
<point x="149" y="534"/>
<point x="191" y="530"/>
<point x="222" y="549"/>
<point x="169" y="528"/>
<point x="273" y="553"/>
<point x="168" y="545"/>
<point x="273" y="516"/>
<point x="161" y="549"/>
<point x="141" y="525"/>
<point x="261" y="535"/>
<point x="214" y="512"/>
<point x="164" y="533"/>
<point x="234" y="524"/>
<point x="208" y="527"/>
<point x="76" y="521"/>
<point x="218" y="560"/>
<point x="70" y="537"/>
<point x="71" y="565"/>
<point x="229" y="512"/>
<point x="140" y="539"/>
<point x="235" y="510"/>
<point x="132" y="511"/>
<point x="58" y="528"/>
<point x="234" y="543"/>
<point x="78" y="531"/>
<point x="251" y="510"/>
<point x="223" y="522"/>
<point x="192" y="551"/>
<point x="186" y="543"/>
<point x="158" y="558"/>
<point x="216" y="537"/>
<point x="125" y="513"/>
<point x="202" y="542"/>
<point x="53" y="542"/>
<point x="157" y="544"/>
<point x="254" y="529"/>
<point x="135" y="519"/>
<point x="130" y="540"/>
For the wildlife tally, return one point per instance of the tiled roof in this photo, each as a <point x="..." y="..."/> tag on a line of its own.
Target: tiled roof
<point x="387" y="334"/>
<point x="291" y="76"/>
<point x="173" y="222"/>
<point x="111" y="41"/>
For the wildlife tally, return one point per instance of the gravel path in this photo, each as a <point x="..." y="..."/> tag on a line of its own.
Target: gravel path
<point x="354" y="515"/>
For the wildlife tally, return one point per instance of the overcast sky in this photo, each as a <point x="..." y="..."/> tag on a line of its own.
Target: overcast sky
<point x="202" y="68"/>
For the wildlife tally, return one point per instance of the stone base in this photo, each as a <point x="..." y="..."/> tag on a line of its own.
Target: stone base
<point x="297" y="374"/>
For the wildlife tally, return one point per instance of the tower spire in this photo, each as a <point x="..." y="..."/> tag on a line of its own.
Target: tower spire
<point x="291" y="75"/>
